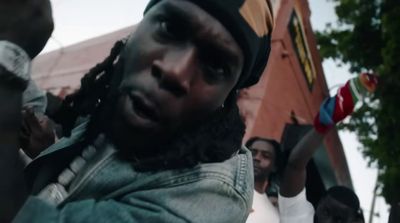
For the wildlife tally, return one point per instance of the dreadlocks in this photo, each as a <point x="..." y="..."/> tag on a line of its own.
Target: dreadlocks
<point x="94" y="88"/>
<point x="214" y="140"/>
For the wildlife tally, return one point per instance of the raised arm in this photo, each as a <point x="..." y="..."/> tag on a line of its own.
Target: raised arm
<point x="25" y="26"/>
<point x="294" y="174"/>
<point x="332" y="111"/>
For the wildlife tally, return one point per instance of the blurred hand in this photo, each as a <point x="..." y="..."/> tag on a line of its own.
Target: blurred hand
<point x="27" y="23"/>
<point x="37" y="133"/>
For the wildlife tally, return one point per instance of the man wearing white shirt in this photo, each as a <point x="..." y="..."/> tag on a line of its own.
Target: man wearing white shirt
<point x="266" y="153"/>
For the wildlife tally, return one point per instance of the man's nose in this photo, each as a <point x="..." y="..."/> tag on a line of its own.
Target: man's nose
<point x="176" y="69"/>
<point x="257" y="156"/>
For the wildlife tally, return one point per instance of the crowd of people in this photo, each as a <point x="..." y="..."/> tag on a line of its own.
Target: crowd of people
<point x="154" y="134"/>
<point x="339" y="204"/>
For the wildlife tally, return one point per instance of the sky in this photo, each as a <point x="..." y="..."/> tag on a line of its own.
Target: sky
<point x="77" y="20"/>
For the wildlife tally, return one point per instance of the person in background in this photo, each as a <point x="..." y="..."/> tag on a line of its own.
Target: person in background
<point x="37" y="130"/>
<point x="266" y="161"/>
<point x="163" y="139"/>
<point x="37" y="133"/>
<point x="339" y="204"/>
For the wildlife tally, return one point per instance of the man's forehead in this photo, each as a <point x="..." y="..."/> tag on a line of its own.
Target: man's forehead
<point x="262" y="145"/>
<point x="197" y="21"/>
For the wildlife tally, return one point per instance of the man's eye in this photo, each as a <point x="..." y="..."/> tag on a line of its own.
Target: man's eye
<point x="169" y="29"/>
<point x="266" y="155"/>
<point x="217" y="71"/>
<point x="253" y="152"/>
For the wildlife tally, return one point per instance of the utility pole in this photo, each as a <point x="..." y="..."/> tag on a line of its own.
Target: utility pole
<point x="372" y="210"/>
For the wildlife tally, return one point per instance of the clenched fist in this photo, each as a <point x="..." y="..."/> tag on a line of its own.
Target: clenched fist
<point x="27" y="23"/>
<point x="37" y="133"/>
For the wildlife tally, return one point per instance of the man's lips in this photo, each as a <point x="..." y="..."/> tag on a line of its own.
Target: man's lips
<point x="256" y="167"/>
<point x="144" y="107"/>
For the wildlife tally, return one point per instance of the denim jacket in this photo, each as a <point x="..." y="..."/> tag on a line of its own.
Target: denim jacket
<point x="114" y="192"/>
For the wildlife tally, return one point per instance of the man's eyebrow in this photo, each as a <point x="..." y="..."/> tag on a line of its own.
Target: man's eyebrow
<point x="213" y="45"/>
<point x="267" y="152"/>
<point x="222" y="49"/>
<point x="260" y="150"/>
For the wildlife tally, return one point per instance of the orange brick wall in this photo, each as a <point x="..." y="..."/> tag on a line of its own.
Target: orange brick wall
<point x="267" y="107"/>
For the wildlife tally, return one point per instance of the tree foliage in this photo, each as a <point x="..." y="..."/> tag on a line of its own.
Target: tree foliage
<point x="367" y="37"/>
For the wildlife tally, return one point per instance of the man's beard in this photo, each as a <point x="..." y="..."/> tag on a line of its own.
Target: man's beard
<point x="214" y="139"/>
<point x="261" y="176"/>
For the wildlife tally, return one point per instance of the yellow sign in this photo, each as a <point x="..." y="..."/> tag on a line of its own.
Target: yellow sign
<point x="302" y="50"/>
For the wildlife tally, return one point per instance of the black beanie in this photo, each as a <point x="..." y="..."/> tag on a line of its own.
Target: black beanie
<point x="250" y="22"/>
<point x="345" y="196"/>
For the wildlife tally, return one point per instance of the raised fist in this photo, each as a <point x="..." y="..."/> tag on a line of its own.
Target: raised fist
<point x="37" y="133"/>
<point x="335" y="109"/>
<point x="27" y="23"/>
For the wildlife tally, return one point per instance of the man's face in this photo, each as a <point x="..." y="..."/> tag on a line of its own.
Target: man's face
<point x="263" y="159"/>
<point x="329" y="210"/>
<point x="179" y="66"/>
